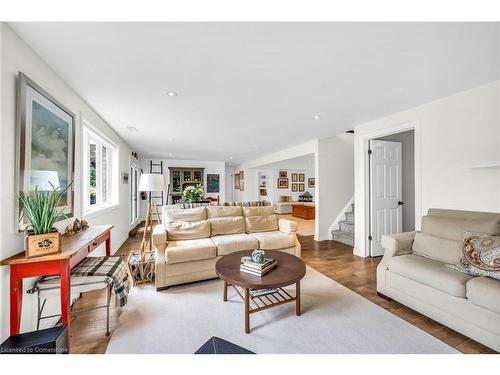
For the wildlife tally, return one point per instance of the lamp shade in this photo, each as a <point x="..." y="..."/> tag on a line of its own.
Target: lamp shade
<point x="151" y="182"/>
<point x="43" y="180"/>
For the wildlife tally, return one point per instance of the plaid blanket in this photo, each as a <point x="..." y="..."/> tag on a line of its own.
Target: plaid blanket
<point x="113" y="267"/>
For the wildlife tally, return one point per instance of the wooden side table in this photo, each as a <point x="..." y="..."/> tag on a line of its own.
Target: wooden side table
<point x="74" y="249"/>
<point x="290" y="270"/>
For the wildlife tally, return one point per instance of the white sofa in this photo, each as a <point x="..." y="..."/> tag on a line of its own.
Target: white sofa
<point x="189" y="242"/>
<point x="413" y="272"/>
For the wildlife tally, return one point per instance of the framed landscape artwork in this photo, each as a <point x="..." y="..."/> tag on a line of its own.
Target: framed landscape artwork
<point x="282" y="183"/>
<point x="213" y="183"/>
<point x="45" y="144"/>
<point x="311" y="182"/>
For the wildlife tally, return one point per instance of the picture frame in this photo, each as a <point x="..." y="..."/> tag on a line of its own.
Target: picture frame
<point x="282" y="183"/>
<point x="213" y="183"/>
<point x="311" y="182"/>
<point x="242" y="181"/>
<point x="302" y="177"/>
<point x="302" y="188"/>
<point x="295" y="187"/>
<point x="282" y="174"/>
<point x="263" y="192"/>
<point x="294" y="177"/>
<point x="45" y="144"/>
<point x="236" y="181"/>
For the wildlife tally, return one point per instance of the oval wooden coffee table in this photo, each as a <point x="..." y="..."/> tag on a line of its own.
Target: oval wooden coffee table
<point x="290" y="270"/>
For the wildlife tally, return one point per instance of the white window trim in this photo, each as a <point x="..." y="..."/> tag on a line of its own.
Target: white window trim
<point x="90" y="133"/>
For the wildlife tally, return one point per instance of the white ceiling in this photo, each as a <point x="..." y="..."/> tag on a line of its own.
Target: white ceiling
<point x="248" y="89"/>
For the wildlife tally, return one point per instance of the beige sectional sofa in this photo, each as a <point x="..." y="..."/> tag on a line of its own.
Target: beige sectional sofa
<point x="413" y="272"/>
<point x="189" y="241"/>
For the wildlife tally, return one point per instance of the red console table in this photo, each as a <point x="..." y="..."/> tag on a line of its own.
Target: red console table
<point x="74" y="249"/>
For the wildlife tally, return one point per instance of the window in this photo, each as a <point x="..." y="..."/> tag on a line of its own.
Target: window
<point x="100" y="172"/>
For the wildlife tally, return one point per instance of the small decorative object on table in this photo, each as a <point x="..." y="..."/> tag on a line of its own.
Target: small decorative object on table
<point x="77" y="226"/>
<point x="42" y="208"/>
<point x="258" y="256"/>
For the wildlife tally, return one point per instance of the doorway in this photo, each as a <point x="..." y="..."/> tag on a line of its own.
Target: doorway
<point x="391" y="187"/>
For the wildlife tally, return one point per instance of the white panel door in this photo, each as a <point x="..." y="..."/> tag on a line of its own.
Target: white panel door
<point x="385" y="192"/>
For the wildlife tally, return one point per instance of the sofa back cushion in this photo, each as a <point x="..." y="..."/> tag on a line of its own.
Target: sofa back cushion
<point x="454" y="228"/>
<point x="437" y="248"/>
<point x="188" y="214"/>
<point x="227" y="225"/>
<point x="258" y="211"/>
<point x="184" y="230"/>
<point x="222" y="211"/>
<point x="261" y="223"/>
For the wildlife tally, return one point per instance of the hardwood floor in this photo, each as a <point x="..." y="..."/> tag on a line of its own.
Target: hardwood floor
<point x="331" y="258"/>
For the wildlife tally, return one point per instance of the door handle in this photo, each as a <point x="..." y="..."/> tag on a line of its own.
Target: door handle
<point x="400" y="203"/>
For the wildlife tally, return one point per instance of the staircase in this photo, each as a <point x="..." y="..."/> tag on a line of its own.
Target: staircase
<point x="345" y="234"/>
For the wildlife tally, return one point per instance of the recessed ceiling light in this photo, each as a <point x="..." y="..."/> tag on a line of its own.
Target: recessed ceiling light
<point x="171" y="139"/>
<point x="171" y="93"/>
<point x="231" y="157"/>
<point x="316" y="117"/>
<point x="132" y="128"/>
<point x="170" y="155"/>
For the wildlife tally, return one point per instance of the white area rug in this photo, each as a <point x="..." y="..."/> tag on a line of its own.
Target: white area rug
<point x="334" y="320"/>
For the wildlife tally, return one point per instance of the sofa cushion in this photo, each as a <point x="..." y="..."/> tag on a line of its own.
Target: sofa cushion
<point x="430" y="272"/>
<point x="183" y="230"/>
<point x="274" y="240"/>
<point x="188" y="214"/>
<point x="453" y="229"/>
<point x="230" y="243"/>
<point x="223" y="211"/>
<point x="188" y="250"/>
<point x="258" y="211"/>
<point x="437" y="248"/>
<point x="261" y="223"/>
<point x="484" y="292"/>
<point x="227" y="225"/>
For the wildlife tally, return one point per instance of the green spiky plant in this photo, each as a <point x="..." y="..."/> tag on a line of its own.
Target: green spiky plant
<point x="42" y="208"/>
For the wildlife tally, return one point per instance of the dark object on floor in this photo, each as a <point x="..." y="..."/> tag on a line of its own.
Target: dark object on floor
<point x="46" y="341"/>
<point x="216" y="345"/>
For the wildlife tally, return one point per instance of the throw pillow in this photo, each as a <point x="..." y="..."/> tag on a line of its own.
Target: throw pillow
<point x="480" y="255"/>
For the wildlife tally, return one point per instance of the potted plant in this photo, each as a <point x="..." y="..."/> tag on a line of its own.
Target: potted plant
<point x="42" y="209"/>
<point x="193" y="193"/>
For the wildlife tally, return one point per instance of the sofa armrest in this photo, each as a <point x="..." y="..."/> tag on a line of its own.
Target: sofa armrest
<point x="287" y="226"/>
<point x="398" y="244"/>
<point x="159" y="235"/>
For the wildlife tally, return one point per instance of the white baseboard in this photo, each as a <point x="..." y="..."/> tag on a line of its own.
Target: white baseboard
<point x="121" y="241"/>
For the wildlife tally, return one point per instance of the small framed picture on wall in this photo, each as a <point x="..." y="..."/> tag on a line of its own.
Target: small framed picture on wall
<point x="282" y="183"/>
<point x="295" y="187"/>
<point x="311" y="182"/>
<point x="302" y="187"/>
<point x="295" y="177"/>
<point x="283" y="174"/>
<point x="302" y="177"/>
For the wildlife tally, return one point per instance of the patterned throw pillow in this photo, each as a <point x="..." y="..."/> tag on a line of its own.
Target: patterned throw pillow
<point x="480" y="255"/>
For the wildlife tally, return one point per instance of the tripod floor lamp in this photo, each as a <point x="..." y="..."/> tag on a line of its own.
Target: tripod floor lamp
<point x="144" y="262"/>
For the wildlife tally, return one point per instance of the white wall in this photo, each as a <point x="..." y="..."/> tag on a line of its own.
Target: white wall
<point x="334" y="164"/>
<point x="456" y="130"/>
<point x="210" y="167"/>
<point x="17" y="56"/>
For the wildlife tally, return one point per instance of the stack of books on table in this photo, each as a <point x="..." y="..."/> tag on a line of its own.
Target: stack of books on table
<point x="258" y="269"/>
